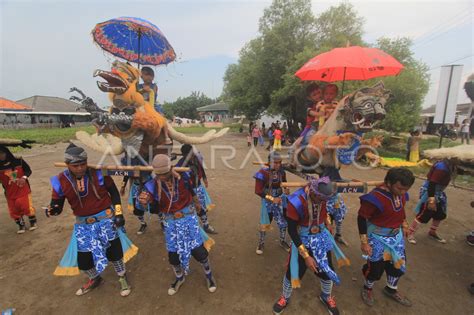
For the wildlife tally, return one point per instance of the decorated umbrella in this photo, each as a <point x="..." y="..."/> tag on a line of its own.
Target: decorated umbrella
<point x="135" y="40"/>
<point x="349" y="63"/>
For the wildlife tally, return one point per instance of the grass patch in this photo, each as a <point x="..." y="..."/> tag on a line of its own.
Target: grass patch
<point x="44" y="135"/>
<point x="384" y="152"/>
<point x="234" y="127"/>
<point x="433" y="143"/>
<point x="194" y="129"/>
<point x="55" y="135"/>
<point x="202" y="129"/>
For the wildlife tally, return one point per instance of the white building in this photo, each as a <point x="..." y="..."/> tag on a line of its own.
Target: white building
<point x="41" y="111"/>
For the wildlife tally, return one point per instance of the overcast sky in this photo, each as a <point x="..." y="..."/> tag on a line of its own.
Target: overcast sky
<point x="46" y="46"/>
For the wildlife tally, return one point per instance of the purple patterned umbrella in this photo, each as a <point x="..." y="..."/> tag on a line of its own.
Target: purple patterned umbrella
<point x="135" y="40"/>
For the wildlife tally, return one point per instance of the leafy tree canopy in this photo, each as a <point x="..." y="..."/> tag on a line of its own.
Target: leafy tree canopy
<point x="290" y="35"/>
<point x="186" y="106"/>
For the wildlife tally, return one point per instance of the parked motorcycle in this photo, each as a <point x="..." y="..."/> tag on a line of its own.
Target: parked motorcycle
<point x="448" y="133"/>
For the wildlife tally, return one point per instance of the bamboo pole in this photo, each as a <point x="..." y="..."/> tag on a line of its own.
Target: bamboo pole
<point x="123" y="167"/>
<point x="266" y="163"/>
<point x="337" y="184"/>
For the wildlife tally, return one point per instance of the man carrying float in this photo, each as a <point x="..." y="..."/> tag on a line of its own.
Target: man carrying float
<point x="172" y="194"/>
<point x="382" y="228"/>
<point x="194" y="161"/>
<point x="97" y="237"/>
<point x="312" y="243"/>
<point x="268" y="187"/>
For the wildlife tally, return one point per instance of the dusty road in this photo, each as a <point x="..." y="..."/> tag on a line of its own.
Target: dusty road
<point x="436" y="280"/>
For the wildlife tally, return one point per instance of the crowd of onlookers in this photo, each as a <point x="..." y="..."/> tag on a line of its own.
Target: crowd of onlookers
<point x="276" y="135"/>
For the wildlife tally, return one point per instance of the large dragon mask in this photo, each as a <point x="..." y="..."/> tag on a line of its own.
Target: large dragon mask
<point x="363" y="109"/>
<point x="121" y="82"/>
<point x="131" y="121"/>
<point x="355" y="114"/>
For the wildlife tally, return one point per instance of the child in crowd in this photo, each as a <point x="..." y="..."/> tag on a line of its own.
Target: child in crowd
<point x="270" y="137"/>
<point x="256" y="133"/>
<point x="327" y="106"/>
<point x="14" y="173"/>
<point x="277" y="134"/>
<point x="149" y="90"/>
<point x="313" y="96"/>
<point x="413" y="145"/>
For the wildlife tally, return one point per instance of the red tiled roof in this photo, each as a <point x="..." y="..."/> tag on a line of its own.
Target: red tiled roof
<point x="11" y="105"/>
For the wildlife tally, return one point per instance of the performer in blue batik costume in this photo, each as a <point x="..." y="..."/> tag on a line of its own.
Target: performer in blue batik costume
<point x="433" y="203"/>
<point x="312" y="243"/>
<point x="382" y="227"/>
<point x="136" y="187"/>
<point x="98" y="235"/>
<point x="194" y="160"/>
<point x="268" y="187"/>
<point x="337" y="210"/>
<point x="172" y="195"/>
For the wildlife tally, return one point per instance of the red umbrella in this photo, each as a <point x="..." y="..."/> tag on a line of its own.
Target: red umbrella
<point x="349" y="63"/>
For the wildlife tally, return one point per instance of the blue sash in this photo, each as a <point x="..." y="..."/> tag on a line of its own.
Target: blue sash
<point x="387" y="244"/>
<point x="440" y="197"/>
<point x="204" y="198"/>
<point x="93" y="238"/>
<point x="184" y="234"/>
<point x="336" y="208"/>
<point x="319" y="244"/>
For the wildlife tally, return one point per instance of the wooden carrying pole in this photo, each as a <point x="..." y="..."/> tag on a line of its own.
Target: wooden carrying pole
<point x="341" y="185"/>
<point x="344" y="188"/>
<point x="123" y="170"/>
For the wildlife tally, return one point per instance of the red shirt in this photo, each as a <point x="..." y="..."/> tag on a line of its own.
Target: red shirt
<point x="179" y="199"/>
<point x="88" y="204"/>
<point x="297" y="210"/>
<point x="262" y="180"/>
<point x="8" y="179"/>
<point x="277" y="134"/>
<point x="439" y="174"/>
<point x="383" y="209"/>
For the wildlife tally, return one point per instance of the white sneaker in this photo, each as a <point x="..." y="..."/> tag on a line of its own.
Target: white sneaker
<point x="125" y="288"/>
<point x="411" y="239"/>
<point x="259" y="250"/>
<point x="211" y="285"/>
<point x="437" y="238"/>
<point x="174" y="287"/>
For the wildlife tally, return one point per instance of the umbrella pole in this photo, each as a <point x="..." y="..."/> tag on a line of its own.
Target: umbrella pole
<point x="139" y="41"/>
<point x="343" y="80"/>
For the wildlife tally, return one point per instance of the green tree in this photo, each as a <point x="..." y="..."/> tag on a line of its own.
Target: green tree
<point x="263" y="79"/>
<point x="286" y="28"/>
<point x="186" y="106"/>
<point x="242" y="88"/>
<point x="408" y="88"/>
<point x="336" y="27"/>
<point x="168" y="110"/>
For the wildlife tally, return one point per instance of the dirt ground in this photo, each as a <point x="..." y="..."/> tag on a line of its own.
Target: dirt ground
<point x="436" y="279"/>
